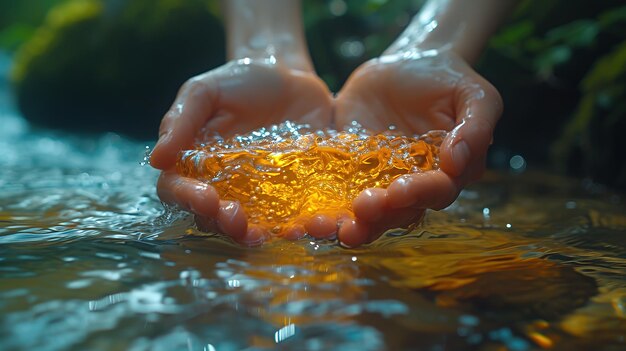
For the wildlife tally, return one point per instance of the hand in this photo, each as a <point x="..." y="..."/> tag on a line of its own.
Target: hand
<point x="417" y="91"/>
<point x="238" y="97"/>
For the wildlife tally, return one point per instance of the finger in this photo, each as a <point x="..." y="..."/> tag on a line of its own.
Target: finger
<point x="321" y="226"/>
<point x="479" y="107"/>
<point x="190" y="194"/>
<point x="353" y="233"/>
<point x="395" y="219"/>
<point x="293" y="232"/>
<point x="232" y="220"/>
<point x="432" y="189"/>
<point x="370" y="204"/>
<point x="193" y="107"/>
<point x="255" y="236"/>
<point x="206" y="224"/>
<point x="356" y="232"/>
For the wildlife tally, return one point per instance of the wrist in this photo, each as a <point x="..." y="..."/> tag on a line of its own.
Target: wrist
<point x="271" y="48"/>
<point x="460" y="26"/>
<point x="269" y="30"/>
<point x="424" y="36"/>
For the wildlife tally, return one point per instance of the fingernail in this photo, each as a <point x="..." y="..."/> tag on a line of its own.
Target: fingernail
<point x="231" y="220"/>
<point x="294" y="232"/>
<point x="321" y="227"/>
<point x="254" y="237"/>
<point x="231" y="210"/>
<point x="344" y="245"/>
<point x="460" y="155"/>
<point x="226" y="213"/>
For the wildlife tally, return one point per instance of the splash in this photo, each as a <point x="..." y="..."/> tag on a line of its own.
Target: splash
<point x="285" y="173"/>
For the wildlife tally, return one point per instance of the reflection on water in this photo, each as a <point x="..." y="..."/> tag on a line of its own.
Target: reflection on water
<point x="89" y="260"/>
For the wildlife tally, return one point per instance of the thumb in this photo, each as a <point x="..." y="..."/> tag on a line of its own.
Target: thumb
<point x="469" y="140"/>
<point x="193" y="107"/>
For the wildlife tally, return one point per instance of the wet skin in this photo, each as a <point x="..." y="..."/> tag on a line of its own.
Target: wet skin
<point x="413" y="86"/>
<point x="417" y="92"/>
<point x="238" y="97"/>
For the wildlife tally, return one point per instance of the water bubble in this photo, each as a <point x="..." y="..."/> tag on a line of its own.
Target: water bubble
<point x="517" y="164"/>
<point x="337" y="7"/>
<point x="469" y="320"/>
<point x="352" y="48"/>
<point x="486" y="213"/>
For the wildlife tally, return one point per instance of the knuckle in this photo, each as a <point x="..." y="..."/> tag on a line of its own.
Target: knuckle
<point x="195" y="83"/>
<point x="199" y="87"/>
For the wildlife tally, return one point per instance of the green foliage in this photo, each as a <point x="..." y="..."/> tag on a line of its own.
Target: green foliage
<point x="13" y="36"/>
<point x="567" y="59"/>
<point x="595" y="130"/>
<point x="20" y="19"/>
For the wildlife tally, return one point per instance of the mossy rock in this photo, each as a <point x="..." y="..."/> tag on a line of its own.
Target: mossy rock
<point x="114" y="65"/>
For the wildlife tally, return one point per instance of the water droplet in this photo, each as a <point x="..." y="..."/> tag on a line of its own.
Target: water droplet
<point x="337" y="7"/>
<point x="352" y="48"/>
<point x="517" y="163"/>
<point x="146" y="156"/>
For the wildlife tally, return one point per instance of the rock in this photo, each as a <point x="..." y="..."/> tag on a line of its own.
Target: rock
<point x="98" y="65"/>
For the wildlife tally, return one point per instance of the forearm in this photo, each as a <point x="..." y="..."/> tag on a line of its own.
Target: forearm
<point x="266" y="29"/>
<point x="460" y="25"/>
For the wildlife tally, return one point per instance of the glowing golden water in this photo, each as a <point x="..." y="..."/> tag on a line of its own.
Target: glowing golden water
<point x="285" y="173"/>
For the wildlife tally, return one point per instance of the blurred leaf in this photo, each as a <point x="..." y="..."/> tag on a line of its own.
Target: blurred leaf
<point x="549" y="59"/>
<point x="613" y="16"/>
<point x="13" y="36"/>
<point x="575" y="34"/>
<point x="606" y="70"/>
<point x="513" y="34"/>
<point x="18" y="20"/>
<point x="537" y="10"/>
<point x="594" y="131"/>
<point x="564" y="145"/>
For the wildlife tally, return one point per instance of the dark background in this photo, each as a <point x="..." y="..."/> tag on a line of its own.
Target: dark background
<point x="112" y="65"/>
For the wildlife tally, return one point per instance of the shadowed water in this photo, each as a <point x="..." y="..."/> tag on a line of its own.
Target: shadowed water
<point x="90" y="260"/>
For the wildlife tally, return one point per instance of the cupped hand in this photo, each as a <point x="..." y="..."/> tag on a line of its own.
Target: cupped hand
<point x="237" y="97"/>
<point x="417" y="91"/>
